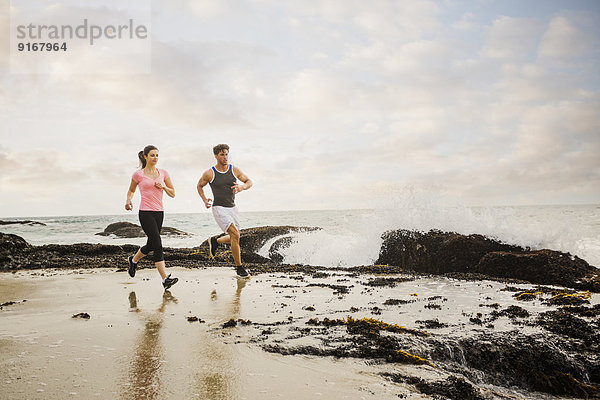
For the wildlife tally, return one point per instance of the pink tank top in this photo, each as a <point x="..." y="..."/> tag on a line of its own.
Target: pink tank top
<point x="151" y="196"/>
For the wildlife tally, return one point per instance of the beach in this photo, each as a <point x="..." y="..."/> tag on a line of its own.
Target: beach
<point x="213" y="335"/>
<point x="138" y="343"/>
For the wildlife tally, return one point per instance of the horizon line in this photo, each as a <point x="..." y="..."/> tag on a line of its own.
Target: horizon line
<point x="304" y="210"/>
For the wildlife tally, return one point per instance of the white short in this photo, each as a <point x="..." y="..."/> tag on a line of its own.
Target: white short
<point x="225" y="216"/>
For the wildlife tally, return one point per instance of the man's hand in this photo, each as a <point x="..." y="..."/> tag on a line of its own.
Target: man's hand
<point x="236" y="188"/>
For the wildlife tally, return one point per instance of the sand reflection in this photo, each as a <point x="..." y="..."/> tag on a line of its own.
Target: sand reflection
<point x="219" y="376"/>
<point x="143" y="378"/>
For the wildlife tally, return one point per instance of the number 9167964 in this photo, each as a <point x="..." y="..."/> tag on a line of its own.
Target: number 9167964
<point x="42" y="46"/>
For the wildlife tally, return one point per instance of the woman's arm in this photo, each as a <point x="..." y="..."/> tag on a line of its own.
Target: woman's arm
<point x="130" y="193"/>
<point x="168" y="188"/>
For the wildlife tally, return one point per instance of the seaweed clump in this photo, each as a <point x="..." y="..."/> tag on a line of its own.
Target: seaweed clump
<point x="454" y="388"/>
<point x="366" y="326"/>
<point x="365" y="341"/>
<point x="570" y="299"/>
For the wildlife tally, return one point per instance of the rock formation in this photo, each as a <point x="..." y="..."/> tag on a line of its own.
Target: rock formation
<point x="129" y="230"/>
<point x="437" y="252"/>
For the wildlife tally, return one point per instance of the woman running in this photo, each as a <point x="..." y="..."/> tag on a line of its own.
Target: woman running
<point x="152" y="182"/>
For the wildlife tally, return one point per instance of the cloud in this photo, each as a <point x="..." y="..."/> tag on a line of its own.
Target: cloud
<point x="398" y="20"/>
<point x="563" y="39"/>
<point x="321" y="106"/>
<point x="511" y="38"/>
<point x="208" y="9"/>
<point x="465" y="23"/>
<point x="174" y="93"/>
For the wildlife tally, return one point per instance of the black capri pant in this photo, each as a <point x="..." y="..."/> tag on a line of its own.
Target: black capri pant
<point x="151" y="222"/>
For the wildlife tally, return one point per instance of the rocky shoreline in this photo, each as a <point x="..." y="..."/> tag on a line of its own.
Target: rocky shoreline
<point x="129" y="230"/>
<point x="434" y="252"/>
<point x="551" y="348"/>
<point x="21" y="222"/>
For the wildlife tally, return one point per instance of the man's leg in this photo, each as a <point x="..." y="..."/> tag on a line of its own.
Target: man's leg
<point x="214" y="242"/>
<point x="234" y="239"/>
<point x="224" y="239"/>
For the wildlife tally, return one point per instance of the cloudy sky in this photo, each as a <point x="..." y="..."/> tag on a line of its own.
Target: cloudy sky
<point x="325" y="104"/>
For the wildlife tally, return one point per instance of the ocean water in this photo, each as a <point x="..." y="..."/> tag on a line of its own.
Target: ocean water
<point x="353" y="237"/>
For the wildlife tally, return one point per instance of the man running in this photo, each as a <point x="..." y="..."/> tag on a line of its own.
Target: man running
<point x="223" y="179"/>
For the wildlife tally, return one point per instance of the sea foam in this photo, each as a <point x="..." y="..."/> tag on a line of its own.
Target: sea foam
<point x="356" y="238"/>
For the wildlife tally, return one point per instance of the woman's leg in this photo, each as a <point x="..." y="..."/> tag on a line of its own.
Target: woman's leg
<point x="161" y="267"/>
<point x="159" y="257"/>
<point x="145" y="222"/>
<point x="151" y="222"/>
<point x="138" y="256"/>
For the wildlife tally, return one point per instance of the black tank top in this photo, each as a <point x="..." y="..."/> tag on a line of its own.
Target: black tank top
<point x="221" y="187"/>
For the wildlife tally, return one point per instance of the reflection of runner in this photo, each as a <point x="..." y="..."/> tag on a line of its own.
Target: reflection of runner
<point x="144" y="377"/>
<point x="235" y="304"/>
<point x="152" y="182"/>
<point x="223" y="179"/>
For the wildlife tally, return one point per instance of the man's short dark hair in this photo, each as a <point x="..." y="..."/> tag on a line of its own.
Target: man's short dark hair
<point x="217" y="149"/>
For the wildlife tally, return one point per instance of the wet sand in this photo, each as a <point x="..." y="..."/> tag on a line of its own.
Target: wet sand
<point x="139" y="344"/>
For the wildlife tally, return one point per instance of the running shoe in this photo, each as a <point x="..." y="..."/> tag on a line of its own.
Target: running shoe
<point x="168" y="282"/>
<point x="241" y="271"/>
<point x="132" y="267"/>
<point x="212" y="246"/>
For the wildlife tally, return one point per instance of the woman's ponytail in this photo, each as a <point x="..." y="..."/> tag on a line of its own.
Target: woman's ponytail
<point x="142" y="159"/>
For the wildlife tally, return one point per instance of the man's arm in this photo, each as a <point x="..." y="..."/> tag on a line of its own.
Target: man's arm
<point x="204" y="180"/>
<point x="247" y="183"/>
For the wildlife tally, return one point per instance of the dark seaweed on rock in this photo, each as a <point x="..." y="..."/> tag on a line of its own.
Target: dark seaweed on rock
<point x="564" y="323"/>
<point x="275" y="251"/>
<point x="545" y="267"/>
<point x="563" y="297"/>
<point x="253" y="239"/>
<point x="16" y="253"/>
<point x="403" y="252"/>
<point x="129" y="230"/>
<point x="10" y="246"/>
<point x="395" y="302"/>
<point x="10" y="243"/>
<point x="439" y="252"/>
<point x="562" y="361"/>
<point x="583" y="311"/>
<point x="432" y="324"/>
<point x="391" y="282"/>
<point x="21" y="222"/>
<point x="454" y="388"/>
<point x="530" y="362"/>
